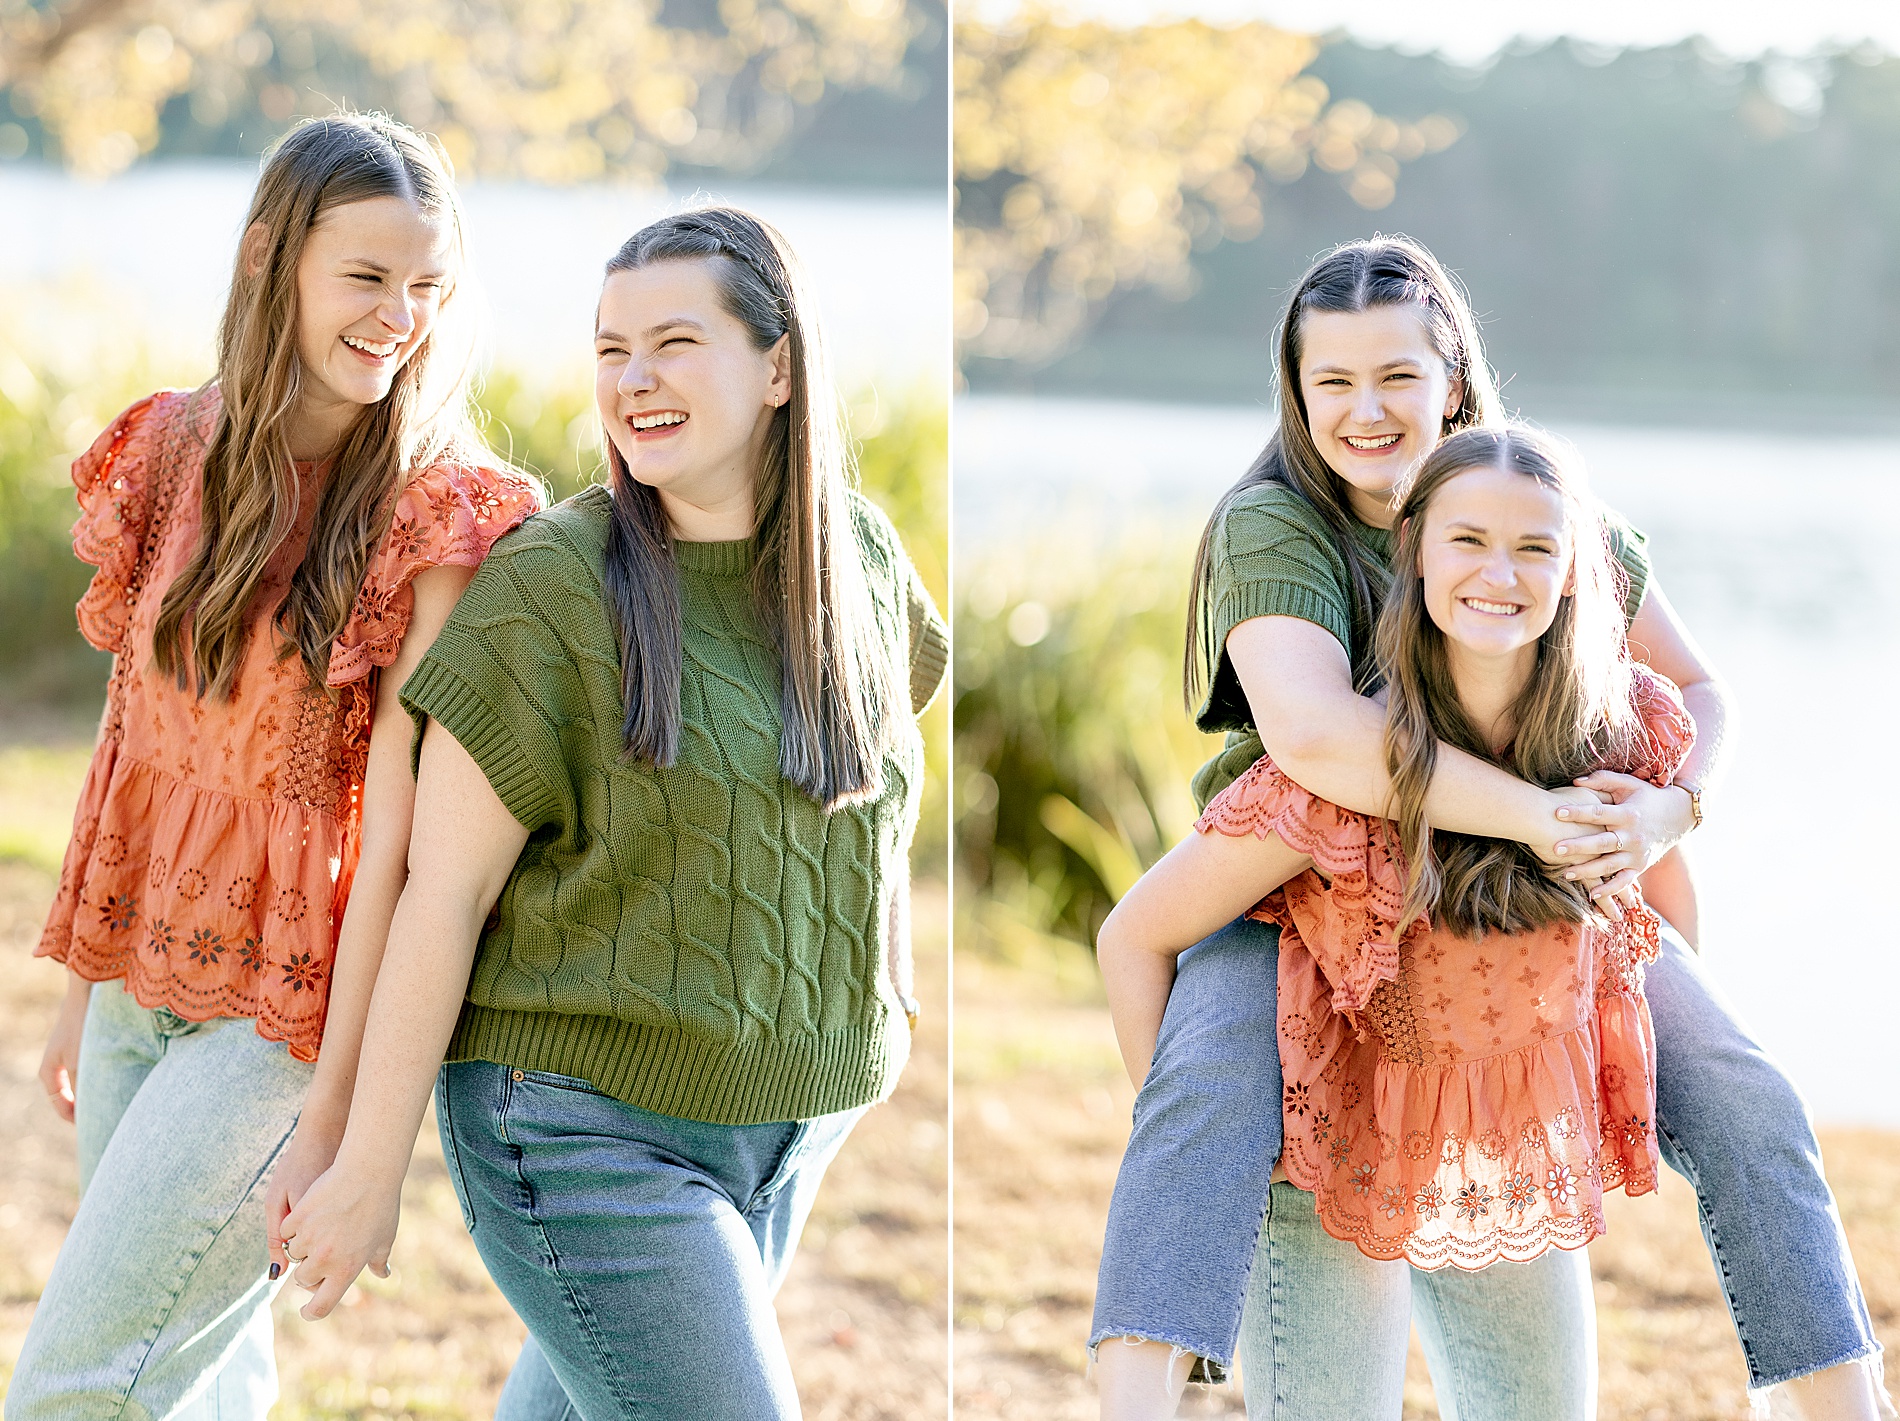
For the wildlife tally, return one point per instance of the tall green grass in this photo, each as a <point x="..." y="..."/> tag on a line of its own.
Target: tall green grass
<point x="1073" y="750"/>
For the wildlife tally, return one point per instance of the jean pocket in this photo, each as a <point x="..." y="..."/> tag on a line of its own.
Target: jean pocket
<point x="559" y="1082"/>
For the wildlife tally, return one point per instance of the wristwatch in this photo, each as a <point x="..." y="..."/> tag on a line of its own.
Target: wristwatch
<point x="1695" y="802"/>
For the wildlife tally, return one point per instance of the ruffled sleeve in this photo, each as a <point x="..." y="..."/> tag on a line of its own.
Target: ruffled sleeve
<point x="114" y="505"/>
<point x="449" y="515"/>
<point x="1349" y="924"/>
<point x="1668" y="728"/>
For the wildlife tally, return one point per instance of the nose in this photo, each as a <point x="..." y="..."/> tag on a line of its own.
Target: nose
<point x="1498" y="569"/>
<point x="636" y="377"/>
<point x="397" y="313"/>
<point x="1368" y="405"/>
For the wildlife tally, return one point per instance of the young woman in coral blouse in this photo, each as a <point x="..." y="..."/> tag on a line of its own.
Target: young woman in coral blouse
<point x="1467" y="1053"/>
<point x="276" y="550"/>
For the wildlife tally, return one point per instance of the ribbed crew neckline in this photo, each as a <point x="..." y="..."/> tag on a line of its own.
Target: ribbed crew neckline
<point x="733" y="559"/>
<point x="1379" y="540"/>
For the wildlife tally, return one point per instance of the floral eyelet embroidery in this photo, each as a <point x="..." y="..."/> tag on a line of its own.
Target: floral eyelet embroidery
<point x="120" y="911"/>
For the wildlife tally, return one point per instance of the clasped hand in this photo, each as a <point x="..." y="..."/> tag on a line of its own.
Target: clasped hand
<point x="343" y="1224"/>
<point x="1636" y="823"/>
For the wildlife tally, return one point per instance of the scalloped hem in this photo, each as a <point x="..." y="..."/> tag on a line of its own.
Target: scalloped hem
<point x="139" y="990"/>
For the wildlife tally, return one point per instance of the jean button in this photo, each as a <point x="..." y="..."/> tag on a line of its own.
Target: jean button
<point x="519" y="1076"/>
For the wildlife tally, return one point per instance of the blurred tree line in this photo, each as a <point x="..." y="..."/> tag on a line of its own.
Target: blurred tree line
<point x="1658" y="233"/>
<point x="1092" y="158"/>
<point x="554" y="91"/>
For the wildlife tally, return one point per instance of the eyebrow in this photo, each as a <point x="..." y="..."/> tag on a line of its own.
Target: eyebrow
<point x="1389" y="365"/>
<point x="1470" y="527"/>
<point x="381" y="270"/>
<point x="652" y="331"/>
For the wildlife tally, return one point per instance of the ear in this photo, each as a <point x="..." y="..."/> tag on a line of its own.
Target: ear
<point x="779" y="391"/>
<point x="1570" y="580"/>
<point x="1456" y="397"/>
<point x="1418" y="554"/>
<point x="254" y="249"/>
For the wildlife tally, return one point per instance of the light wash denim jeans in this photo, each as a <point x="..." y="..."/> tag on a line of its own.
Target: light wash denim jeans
<point x="642" y="1250"/>
<point x="1193" y="1185"/>
<point x="1325" y="1330"/>
<point x="158" y="1307"/>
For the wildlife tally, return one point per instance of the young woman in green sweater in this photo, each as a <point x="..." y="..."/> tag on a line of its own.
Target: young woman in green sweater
<point x="667" y="776"/>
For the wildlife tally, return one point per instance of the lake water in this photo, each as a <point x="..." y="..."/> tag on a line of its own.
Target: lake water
<point x="146" y="257"/>
<point x="1779" y="555"/>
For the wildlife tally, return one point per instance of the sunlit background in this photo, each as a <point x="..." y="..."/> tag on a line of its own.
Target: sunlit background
<point x="1680" y="226"/>
<point x="130" y="135"/>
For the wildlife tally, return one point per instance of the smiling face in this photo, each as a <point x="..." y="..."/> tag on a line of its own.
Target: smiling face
<point x="1377" y="397"/>
<point x="686" y="397"/>
<point x="1496" y="558"/>
<point x="370" y="281"/>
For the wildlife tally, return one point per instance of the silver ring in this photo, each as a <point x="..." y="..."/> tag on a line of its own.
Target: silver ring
<point x="1620" y="845"/>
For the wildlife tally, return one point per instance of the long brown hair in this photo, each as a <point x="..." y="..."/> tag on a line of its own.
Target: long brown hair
<point x="1356" y="276"/>
<point x="839" y="689"/>
<point x="250" y="480"/>
<point x="1574" y="715"/>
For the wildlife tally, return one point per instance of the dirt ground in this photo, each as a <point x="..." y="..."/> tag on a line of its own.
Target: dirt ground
<point x="864" y="1310"/>
<point x="1041" y="1119"/>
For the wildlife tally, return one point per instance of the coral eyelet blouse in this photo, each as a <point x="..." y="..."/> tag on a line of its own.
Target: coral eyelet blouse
<point x="214" y="839"/>
<point x="1453" y="1100"/>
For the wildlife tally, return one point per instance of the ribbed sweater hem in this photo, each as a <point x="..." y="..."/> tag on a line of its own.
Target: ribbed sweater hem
<point x="1278" y="597"/>
<point x="434" y="690"/>
<point x="670" y="1072"/>
<point x="926" y="670"/>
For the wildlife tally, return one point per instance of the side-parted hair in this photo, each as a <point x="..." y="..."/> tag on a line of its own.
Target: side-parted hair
<point x="1574" y="715"/>
<point x="839" y="695"/>
<point x="1356" y="276"/>
<point x="250" y="479"/>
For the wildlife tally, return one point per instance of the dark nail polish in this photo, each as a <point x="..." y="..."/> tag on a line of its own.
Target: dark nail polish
<point x="275" y="1269"/>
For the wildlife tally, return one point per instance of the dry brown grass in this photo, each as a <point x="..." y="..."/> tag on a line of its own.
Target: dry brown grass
<point x="1042" y="1117"/>
<point x="864" y="1310"/>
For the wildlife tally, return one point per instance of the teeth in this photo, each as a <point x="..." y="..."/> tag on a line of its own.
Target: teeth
<point x="654" y="421"/>
<point x="1496" y="609"/>
<point x="377" y="348"/>
<point x="1375" y="441"/>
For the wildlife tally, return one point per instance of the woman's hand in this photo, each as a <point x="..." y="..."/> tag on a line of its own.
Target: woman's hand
<point x="59" y="1064"/>
<point x="1639" y="822"/>
<point x="343" y="1223"/>
<point x="312" y="1151"/>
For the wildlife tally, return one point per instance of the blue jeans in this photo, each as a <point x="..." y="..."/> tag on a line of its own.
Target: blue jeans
<point x="1324" y="1333"/>
<point x="158" y="1305"/>
<point x="1207" y="1131"/>
<point x="641" y="1250"/>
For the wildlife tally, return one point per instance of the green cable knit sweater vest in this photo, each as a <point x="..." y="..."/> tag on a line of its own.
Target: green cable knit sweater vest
<point x="702" y="940"/>
<point x="1272" y="555"/>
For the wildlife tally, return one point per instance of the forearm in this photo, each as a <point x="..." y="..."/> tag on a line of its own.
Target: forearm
<point x="1137" y="983"/>
<point x="1341" y="758"/>
<point x="1669" y="888"/>
<point x="412" y="1014"/>
<point x="1331" y="741"/>
<point x="359" y="954"/>
<point x="1707" y="761"/>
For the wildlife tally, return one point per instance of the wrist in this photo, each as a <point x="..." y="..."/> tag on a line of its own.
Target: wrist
<point x="1539" y="825"/>
<point x="1692" y="799"/>
<point x="373" y="1167"/>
